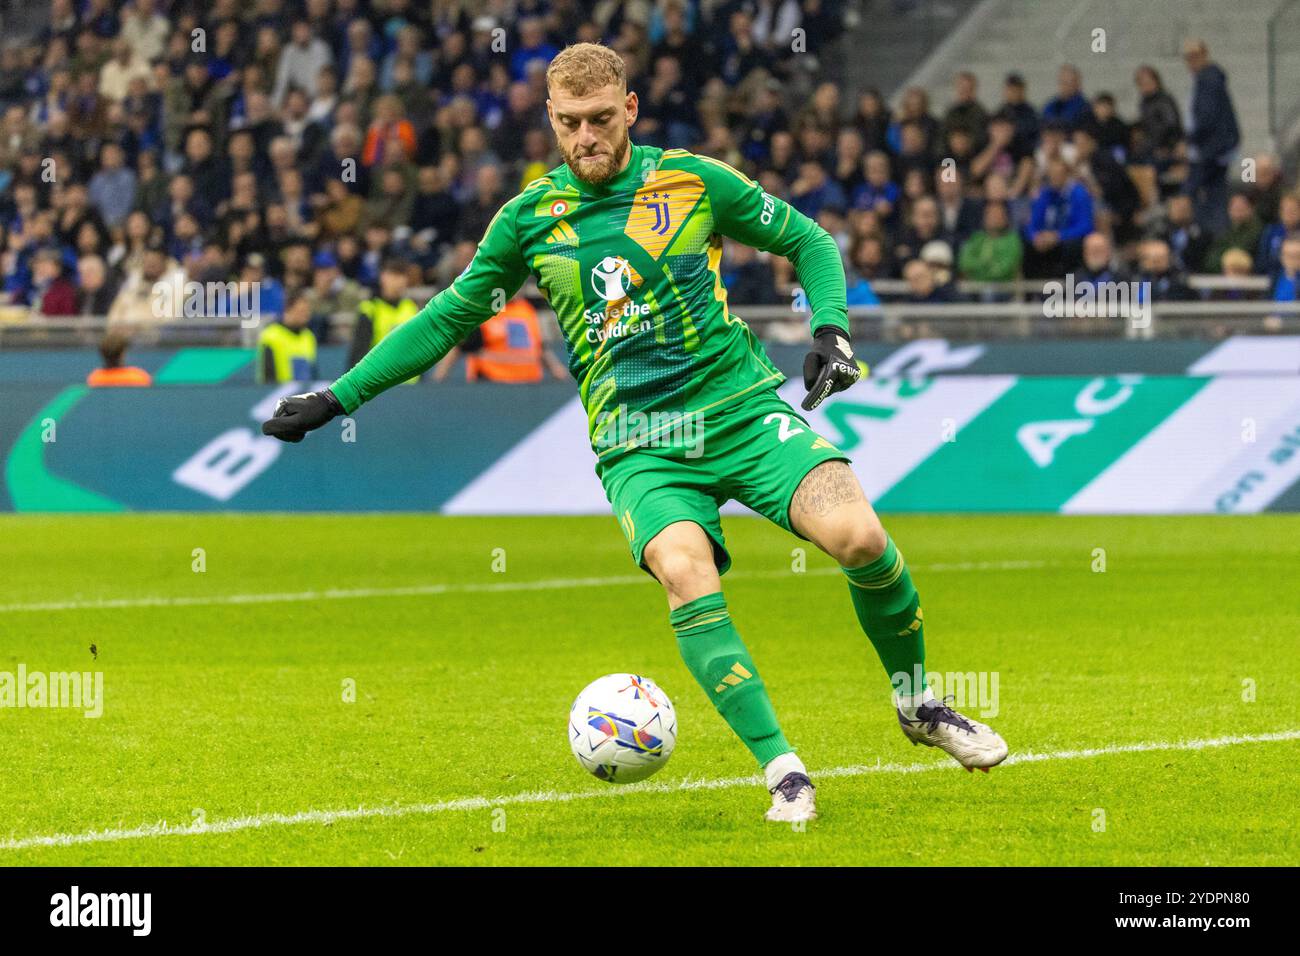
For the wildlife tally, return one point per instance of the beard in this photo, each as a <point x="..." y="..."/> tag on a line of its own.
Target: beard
<point x="602" y="169"/>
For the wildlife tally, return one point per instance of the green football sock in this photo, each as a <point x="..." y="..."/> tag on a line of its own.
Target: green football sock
<point x="889" y="610"/>
<point x="717" y="658"/>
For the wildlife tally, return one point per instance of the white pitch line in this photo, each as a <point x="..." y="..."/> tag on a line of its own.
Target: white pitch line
<point x="432" y="590"/>
<point x="261" y="821"/>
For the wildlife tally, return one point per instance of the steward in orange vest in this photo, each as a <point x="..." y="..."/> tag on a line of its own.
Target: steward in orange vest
<point x="511" y="346"/>
<point x="114" y="373"/>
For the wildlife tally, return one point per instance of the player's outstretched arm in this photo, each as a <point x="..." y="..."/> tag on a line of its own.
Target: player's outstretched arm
<point x="748" y="214"/>
<point x="487" y="284"/>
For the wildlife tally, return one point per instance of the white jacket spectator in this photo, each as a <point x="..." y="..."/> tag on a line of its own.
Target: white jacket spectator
<point x="150" y="294"/>
<point x="116" y="75"/>
<point x="145" y="30"/>
<point x="301" y="62"/>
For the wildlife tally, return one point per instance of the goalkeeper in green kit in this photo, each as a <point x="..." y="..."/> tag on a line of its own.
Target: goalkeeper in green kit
<point x="625" y="242"/>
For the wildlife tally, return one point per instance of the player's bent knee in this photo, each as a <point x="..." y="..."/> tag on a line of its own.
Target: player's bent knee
<point x="685" y="574"/>
<point x="682" y="560"/>
<point x="860" y="544"/>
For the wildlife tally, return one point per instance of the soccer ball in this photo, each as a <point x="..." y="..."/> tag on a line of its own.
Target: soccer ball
<point x="622" y="728"/>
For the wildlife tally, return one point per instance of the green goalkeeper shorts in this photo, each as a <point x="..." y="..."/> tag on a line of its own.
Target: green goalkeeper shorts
<point x="756" y="452"/>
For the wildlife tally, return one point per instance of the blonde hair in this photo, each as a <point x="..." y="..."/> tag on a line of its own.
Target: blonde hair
<point x="583" y="67"/>
<point x="1236" y="261"/>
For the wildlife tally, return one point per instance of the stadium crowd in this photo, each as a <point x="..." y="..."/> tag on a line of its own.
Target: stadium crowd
<point x="313" y="146"/>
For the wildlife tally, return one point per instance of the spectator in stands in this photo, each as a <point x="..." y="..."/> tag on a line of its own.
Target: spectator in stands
<point x="966" y="113"/>
<point x="1061" y="216"/>
<point x="1110" y="132"/>
<point x="151" y="291"/>
<point x="1244" y="231"/>
<point x="73" y="209"/>
<point x="872" y="119"/>
<point x="391" y="136"/>
<point x="997" y="189"/>
<point x="341" y="210"/>
<point x="96" y="286"/>
<point x="959" y="214"/>
<point x="378" y="316"/>
<point x="1237" y="266"/>
<point x="481" y="203"/>
<point x="667" y="107"/>
<point x="533" y="47"/>
<point x="113" y="374"/>
<point x="921" y="285"/>
<point x="18" y="136"/>
<point x="1022" y="116"/>
<point x="51" y="293"/>
<point x="1053" y="143"/>
<point x="914" y="108"/>
<point x="923" y="225"/>
<point x="1269" y="256"/>
<point x="150" y="182"/>
<point x="144" y="29"/>
<point x="331" y="293"/>
<point x="392" y="206"/>
<point x="1155" y="266"/>
<point x="1001" y="157"/>
<point x="1188" y="242"/>
<point x="814" y="191"/>
<point x="1267" y="189"/>
<point x="112" y="188"/>
<point x="849" y="166"/>
<point x="747" y="276"/>
<point x="117" y="74"/>
<point x="210" y="175"/>
<point x="187" y="240"/>
<point x="995" y="252"/>
<point x="1069" y="107"/>
<point x="268" y="289"/>
<point x="300" y="62"/>
<point x="878" y="192"/>
<point x="1109" y="183"/>
<point x="738" y="53"/>
<point x="914" y="152"/>
<point x="286" y="348"/>
<point x="1212" y="136"/>
<point x="677" y="41"/>
<point x="1098" y="262"/>
<point x="433" y="211"/>
<point x="1286" y="287"/>
<point x="959" y="152"/>
<point x="869" y="261"/>
<point x="1159" y="119"/>
<point x="866" y="262"/>
<point x="937" y="254"/>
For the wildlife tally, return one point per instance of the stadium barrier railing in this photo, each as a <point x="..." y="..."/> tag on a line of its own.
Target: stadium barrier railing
<point x="1015" y="318"/>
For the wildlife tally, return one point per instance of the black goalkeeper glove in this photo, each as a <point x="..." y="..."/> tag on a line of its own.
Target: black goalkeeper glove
<point x="296" y="415"/>
<point x="829" y="367"/>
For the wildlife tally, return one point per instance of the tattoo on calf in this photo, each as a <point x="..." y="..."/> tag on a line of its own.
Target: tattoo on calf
<point x="825" y="487"/>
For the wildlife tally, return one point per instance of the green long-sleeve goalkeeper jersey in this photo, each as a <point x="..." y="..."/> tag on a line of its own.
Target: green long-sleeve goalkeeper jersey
<point x="632" y="269"/>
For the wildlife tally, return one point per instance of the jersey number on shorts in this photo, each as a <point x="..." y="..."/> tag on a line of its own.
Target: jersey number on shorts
<point x="784" y="432"/>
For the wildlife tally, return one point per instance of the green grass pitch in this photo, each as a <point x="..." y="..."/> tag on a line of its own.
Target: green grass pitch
<point x="224" y="697"/>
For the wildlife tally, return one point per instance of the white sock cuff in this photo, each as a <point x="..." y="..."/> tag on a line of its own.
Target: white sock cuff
<point x="908" y="703"/>
<point x="776" y="768"/>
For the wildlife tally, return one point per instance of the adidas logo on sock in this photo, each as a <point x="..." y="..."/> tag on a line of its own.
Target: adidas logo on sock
<point x="737" y="675"/>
